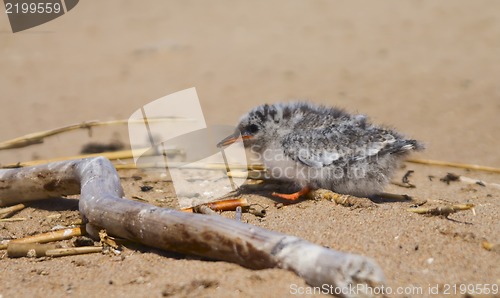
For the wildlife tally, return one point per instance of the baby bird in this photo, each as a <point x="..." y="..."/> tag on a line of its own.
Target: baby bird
<point x="315" y="146"/>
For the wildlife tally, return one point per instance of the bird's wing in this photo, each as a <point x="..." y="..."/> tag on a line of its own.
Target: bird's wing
<point x="311" y="148"/>
<point x="330" y="146"/>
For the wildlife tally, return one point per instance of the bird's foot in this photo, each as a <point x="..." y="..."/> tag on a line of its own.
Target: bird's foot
<point x="293" y="196"/>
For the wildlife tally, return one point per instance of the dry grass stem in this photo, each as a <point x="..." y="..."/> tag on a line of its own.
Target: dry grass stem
<point x="253" y="175"/>
<point x="209" y="166"/>
<point x="108" y="240"/>
<point x="48" y="237"/>
<point x="59" y="252"/>
<point x="36" y="250"/>
<point x="13" y="219"/>
<point x="115" y="155"/>
<point x="38" y="137"/>
<point x="8" y="211"/>
<point x="31" y="250"/>
<point x="442" y="211"/>
<point x="453" y="164"/>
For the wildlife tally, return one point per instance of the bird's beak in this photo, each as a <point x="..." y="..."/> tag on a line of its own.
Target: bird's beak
<point x="232" y="139"/>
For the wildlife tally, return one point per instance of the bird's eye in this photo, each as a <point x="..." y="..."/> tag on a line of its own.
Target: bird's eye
<point x="252" y="128"/>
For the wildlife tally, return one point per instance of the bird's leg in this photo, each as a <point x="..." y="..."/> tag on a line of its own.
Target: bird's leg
<point x="293" y="196"/>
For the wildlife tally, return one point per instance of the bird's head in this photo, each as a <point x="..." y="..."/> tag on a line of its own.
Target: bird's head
<point x="259" y="126"/>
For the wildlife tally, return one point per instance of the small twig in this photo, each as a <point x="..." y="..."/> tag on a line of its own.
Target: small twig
<point x="228" y="205"/>
<point x="59" y="252"/>
<point x="108" y="240"/>
<point x="225" y="205"/>
<point x="36" y="250"/>
<point x="8" y="211"/>
<point x="203" y="209"/>
<point x="13" y="219"/>
<point x="49" y="236"/>
<point x="443" y="211"/>
<point x="453" y="164"/>
<point x="339" y="199"/>
<point x="32" y="250"/>
<point x="139" y="198"/>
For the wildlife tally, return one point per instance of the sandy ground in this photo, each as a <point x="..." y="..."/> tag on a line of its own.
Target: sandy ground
<point x="430" y="69"/>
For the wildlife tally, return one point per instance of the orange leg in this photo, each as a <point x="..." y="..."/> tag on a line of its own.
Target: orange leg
<point x="293" y="196"/>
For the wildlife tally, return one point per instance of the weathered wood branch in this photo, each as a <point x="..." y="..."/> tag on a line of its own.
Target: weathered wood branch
<point x="102" y="205"/>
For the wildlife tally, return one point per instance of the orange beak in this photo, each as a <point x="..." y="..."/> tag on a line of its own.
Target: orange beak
<point x="232" y="139"/>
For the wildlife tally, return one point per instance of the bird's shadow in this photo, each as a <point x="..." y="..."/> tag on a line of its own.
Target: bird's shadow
<point x="266" y="189"/>
<point x="381" y="199"/>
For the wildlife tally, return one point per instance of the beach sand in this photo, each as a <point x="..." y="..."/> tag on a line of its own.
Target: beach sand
<point x="429" y="69"/>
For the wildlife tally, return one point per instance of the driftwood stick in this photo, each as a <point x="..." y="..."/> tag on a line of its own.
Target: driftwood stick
<point x="102" y="205"/>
